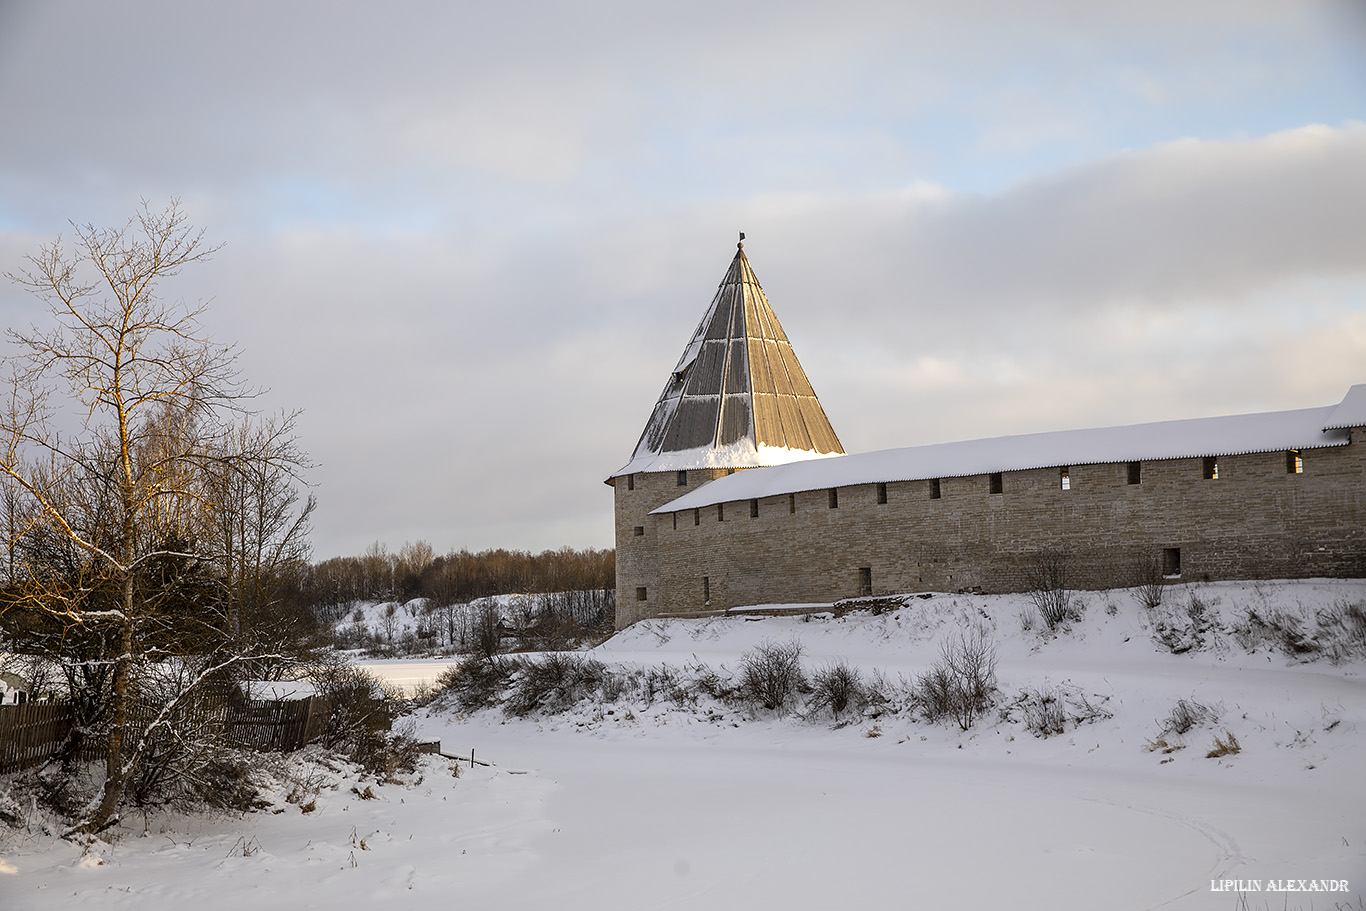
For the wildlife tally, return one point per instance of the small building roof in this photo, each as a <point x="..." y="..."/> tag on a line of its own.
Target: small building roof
<point x="1309" y="428"/>
<point x="738" y="398"/>
<point x="278" y="690"/>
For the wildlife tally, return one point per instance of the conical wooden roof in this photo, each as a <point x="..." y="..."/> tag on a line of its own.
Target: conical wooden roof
<point x="738" y="396"/>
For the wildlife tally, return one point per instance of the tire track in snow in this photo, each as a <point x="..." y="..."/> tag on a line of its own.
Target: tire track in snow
<point x="1228" y="852"/>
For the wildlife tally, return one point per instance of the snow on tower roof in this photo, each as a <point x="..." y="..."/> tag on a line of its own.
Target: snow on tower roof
<point x="738" y="398"/>
<point x="1309" y="428"/>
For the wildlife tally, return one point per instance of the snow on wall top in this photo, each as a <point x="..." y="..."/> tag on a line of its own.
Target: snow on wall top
<point x="1351" y="412"/>
<point x="737" y="391"/>
<point x="1307" y="428"/>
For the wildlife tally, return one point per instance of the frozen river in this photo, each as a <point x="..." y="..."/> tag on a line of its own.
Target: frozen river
<point x="408" y="674"/>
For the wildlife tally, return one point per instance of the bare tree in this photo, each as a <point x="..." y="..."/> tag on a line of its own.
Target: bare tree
<point x="260" y="523"/>
<point x="116" y="438"/>
<point x="412" y="560"/>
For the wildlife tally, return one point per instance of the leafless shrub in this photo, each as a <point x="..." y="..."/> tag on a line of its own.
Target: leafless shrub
<point x="1160" y="743"/>
<point x="1182" y="628"/>
<point x="962" y="683"/>
<point x="1047" y="575"/>
<point x="554" y="683"/>
<point x="771" y="674"/>
<point x="1224" y="746"/>
<point x="665" y="683"/>
<point x="883" y="695"/>
<point x="1198" y="612"/>
<point x="362" y="718"/>
<point x="476" y="683"/>
<point x="614" y="685"/>
<point x="1343" y="625"/>
<point x="227" y="780"/>
<point x="655" y="683"/>
<point x="1337" y="631"/>
<point x="1047" y="710"/>
<point x="557" y="621"/>
<point x="1149" y="586"/>
<point x="837" y="688"/>
<point x="709" y="682"/>
<point x="186" y="761"/>
<point x="415" y="695"/>
<point x="1187" y="714"/>
<point x="935" y="692"/>
<point x="402" y="750"/>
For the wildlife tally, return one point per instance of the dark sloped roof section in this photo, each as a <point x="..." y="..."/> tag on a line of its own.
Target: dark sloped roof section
<point x="738" y="381"/>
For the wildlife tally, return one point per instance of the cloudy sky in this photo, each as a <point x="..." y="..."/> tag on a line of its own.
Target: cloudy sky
<point x="471" y="240"/>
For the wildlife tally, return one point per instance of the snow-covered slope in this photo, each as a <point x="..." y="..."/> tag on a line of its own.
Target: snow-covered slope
<point x="633" y="803"/>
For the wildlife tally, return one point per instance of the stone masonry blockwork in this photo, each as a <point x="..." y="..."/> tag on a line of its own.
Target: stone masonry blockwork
<point x="1255" y="520"/>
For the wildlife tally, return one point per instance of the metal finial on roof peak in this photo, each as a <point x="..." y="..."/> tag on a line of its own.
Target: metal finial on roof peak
<point x="741" y="244"/>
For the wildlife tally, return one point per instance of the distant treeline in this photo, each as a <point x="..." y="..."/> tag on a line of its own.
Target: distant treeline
<point x="415" y="571"/>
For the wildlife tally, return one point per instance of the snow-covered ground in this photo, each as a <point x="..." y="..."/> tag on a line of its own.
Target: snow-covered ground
<point x="632" y="805"/>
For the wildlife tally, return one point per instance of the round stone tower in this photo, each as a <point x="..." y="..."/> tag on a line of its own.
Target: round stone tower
<point x="738" y="398"/>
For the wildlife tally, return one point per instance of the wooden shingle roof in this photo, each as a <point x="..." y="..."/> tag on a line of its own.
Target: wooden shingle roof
<point x="738" y="397"/>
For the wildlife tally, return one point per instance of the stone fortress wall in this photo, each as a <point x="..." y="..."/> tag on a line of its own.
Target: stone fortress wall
<point x="738" y="399"/>
<point x="1258" y="519"/>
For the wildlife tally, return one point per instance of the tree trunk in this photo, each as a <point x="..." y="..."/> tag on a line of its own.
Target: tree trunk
<point x="116" y="775"/>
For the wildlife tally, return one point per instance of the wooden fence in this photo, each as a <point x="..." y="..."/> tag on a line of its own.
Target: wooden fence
<point x="281" y="726"/>
<point x="32" y="733"/>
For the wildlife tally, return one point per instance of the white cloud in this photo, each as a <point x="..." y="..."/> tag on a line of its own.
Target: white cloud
<point x="470" y="239"/>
